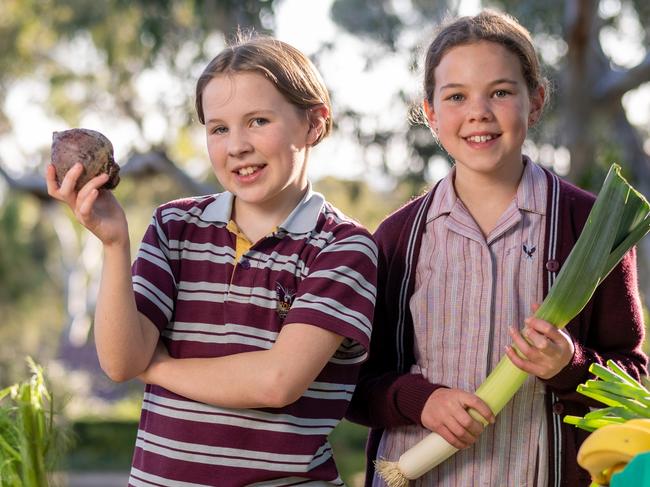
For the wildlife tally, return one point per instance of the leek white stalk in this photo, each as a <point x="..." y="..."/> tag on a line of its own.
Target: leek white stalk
<point x="619" y="218"/>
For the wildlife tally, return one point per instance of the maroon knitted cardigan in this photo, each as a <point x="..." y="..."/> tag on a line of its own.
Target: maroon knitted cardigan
<point x="610" y="327"/>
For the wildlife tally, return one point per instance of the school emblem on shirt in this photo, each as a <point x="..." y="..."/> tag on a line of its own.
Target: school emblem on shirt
<point x="284" y="300"/>
<point x="529" y="250"/>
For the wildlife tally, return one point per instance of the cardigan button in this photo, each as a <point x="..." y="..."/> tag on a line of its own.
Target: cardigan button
<point x="558" y="408"/>
<point x="245" y="264"/>
<point x="552" y="266"/>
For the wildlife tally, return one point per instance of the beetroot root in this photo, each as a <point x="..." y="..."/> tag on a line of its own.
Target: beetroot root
<point x="88" y="147"/>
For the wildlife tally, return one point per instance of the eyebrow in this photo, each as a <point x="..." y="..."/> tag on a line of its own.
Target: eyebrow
<point x="262" y="111"/>
<point x="495" y="82"/>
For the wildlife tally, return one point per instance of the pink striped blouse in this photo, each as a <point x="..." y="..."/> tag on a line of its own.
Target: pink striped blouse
<point x="468" y="290"/>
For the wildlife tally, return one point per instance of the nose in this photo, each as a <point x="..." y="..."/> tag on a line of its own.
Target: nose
<point x="238" y="143"/>
<point x="480" y="110"/>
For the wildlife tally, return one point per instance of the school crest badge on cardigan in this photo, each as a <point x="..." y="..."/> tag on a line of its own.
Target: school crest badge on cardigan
<point x="284" y="300"/>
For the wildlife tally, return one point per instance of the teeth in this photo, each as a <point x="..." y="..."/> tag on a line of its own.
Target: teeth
<point x="480" y="138"/>
<point x="247" y="171"/>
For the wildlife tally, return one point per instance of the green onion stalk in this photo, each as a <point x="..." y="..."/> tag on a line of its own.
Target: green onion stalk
<point x="618" y="220"/>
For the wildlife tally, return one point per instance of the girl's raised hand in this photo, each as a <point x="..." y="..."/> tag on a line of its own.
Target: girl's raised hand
<point x="95" y="208"/>
<point x="445" y="413"/>
<point x="544" y="350"/>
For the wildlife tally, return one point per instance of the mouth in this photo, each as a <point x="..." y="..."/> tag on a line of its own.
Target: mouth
<point x="482" y="138"/>
<point x="249" y="170"/>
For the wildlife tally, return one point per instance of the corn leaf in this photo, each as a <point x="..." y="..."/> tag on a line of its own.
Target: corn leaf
<point x="29" y="439"/>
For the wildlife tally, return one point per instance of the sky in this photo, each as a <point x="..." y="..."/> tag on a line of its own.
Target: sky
<point x="306" y="25"/>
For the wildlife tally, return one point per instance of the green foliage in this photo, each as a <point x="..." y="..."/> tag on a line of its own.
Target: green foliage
<point x="348" y="442"/>
<point x="374" y="20"/>
<point x="30" y="441"/>
<point x="102" y="445"/>
<point x="19" y="269"/>
<point x="30" y="300"/>
<point x="360" y="201"/>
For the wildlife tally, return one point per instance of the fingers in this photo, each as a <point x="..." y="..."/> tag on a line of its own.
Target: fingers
<point x="457" y="436"/>
<point x="446" y="413"/>
<point x="479" y="410"/>
<point x="82" y="201"/>
<point x="540" y="348"/>
<point x="85" y="203"/>
<point x="50" y="179"/>
<point x="62" y="191"/>
<point x="520" y="360"/>
<point x="461" y="431"/>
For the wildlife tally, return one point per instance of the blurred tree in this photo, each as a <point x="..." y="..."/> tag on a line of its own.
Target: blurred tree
<point x="133" y="63"/>
<point x="81" y="62"/>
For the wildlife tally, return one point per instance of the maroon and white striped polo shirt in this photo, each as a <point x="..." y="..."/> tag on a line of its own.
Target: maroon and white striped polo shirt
<point x="319" y="268"/>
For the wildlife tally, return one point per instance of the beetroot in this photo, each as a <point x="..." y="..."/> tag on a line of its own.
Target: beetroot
<point x="88" y="147"/>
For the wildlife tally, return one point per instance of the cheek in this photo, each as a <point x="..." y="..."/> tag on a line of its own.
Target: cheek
<point x="215" y="152"/>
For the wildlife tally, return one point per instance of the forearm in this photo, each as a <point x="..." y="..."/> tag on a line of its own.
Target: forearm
<point x="125" y="342"/>
<point x="390" y="400"/>
<point x="263" y="378"/>
<point x="245" y="380"/>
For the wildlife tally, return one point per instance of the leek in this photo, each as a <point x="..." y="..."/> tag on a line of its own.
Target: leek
<point x="617" y="221"/>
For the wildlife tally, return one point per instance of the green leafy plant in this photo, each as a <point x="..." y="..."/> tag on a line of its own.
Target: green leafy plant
<point x="30" y="441"/>
<point x="624" y="397"/>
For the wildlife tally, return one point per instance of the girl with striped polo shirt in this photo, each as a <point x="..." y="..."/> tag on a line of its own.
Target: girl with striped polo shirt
<point x="247" y="313"/>
<point x="460" y="269"/>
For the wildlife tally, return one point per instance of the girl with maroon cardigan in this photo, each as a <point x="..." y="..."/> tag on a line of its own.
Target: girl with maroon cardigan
<point x="461" y="268"/>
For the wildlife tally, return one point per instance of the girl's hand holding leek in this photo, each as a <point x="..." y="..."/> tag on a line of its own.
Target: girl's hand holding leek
<point x="446" y="413"/>
<point x="542" y="349"/>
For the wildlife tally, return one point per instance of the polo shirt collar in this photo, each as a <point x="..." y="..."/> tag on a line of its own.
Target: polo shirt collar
<point x="527" y="197"/>
<point x="302" y="218"/>
<point x="220" y="209"/>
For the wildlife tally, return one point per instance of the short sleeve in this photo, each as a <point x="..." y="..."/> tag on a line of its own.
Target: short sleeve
<point x="153" y="280"/>
<point x="339" y="291"/>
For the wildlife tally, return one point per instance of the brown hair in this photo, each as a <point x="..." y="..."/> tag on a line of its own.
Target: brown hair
<point x="290" y="71"/>
<point x="489" y="26"/>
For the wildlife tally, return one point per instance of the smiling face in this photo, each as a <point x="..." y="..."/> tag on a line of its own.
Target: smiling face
<point x="482" y="109"/>
<point x="257" y="141"/>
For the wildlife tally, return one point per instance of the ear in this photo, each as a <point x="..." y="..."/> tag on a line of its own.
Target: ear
<point x="536" y="105"/>
<point x="430" y="115"/>
<point x="317" y="118"/>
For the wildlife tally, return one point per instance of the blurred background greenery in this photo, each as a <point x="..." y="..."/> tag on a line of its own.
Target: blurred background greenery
<point x="127" y="68"/>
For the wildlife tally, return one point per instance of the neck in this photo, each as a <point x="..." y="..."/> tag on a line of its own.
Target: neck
<point x="486" y="196"/>
<point x="258" y="220"/>
<point x="472" y="186"/>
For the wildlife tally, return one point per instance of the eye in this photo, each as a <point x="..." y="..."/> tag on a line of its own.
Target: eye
<point x="259" y="122"/>
<point x="456" y="97"/>
<point x="501" y="93"/>
<point x="218" y="130"/>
